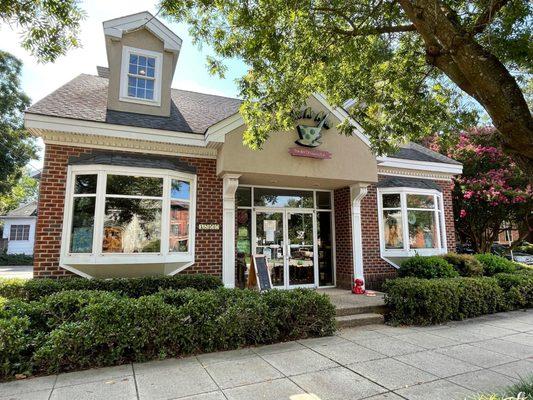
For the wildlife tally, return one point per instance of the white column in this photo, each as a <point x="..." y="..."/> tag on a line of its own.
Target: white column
<point x="357" y="192"/>
<point x="230" y="183"/>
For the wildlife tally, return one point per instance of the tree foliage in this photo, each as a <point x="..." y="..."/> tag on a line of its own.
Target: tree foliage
<point x="22" y="191"/>
<point x="17" y="148"/>
<point x="492" y="190"/>
<point x="406" y="64"/>
<point x="49" y="27"/>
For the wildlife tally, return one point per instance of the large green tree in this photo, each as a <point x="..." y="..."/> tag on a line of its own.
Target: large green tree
<point x="17" y="148"/>
<point x="411" y="66"/>
<point x="49" y="27"/>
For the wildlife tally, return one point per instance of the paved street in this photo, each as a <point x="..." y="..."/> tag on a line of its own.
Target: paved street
<point x="376" y="362"/>
<point x="17" y="271"/>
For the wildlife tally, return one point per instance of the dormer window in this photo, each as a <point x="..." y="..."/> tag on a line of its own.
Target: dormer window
<point x="141" y="76"/>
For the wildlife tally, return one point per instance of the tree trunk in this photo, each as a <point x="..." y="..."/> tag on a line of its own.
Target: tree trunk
<point x="477" y="72"/>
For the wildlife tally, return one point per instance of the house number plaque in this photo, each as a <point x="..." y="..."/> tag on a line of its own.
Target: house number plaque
<point x="209" y="227"/>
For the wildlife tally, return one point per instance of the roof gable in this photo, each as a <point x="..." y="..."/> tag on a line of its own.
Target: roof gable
<point x="118" y="26"/>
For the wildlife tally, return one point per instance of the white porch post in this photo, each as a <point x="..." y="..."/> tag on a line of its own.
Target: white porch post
<point x="357" y="192"/>
<point x="230" y="183"/>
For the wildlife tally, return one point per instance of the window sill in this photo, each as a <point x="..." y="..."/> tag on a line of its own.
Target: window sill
<point x="153" y="103"/>
<point x="121" y="259"/>
<point x="412" y="252"/>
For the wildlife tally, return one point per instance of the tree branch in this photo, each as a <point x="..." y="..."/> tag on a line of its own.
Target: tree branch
<point x="379" y="30"/>
<point x="487" y="16"/>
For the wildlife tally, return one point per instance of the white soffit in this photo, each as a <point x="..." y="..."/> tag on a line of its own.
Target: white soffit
<point x="118" y="26"/>
<point x="391" y="162"/>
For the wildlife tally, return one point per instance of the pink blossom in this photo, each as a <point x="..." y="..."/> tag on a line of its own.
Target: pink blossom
<point x="462" y="214"/>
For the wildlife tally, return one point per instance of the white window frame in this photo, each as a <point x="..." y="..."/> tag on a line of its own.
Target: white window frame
<point x="97" y="256"/>
<point x="124" y="73"/>
<point x="440" y="228"/>
<point x="23" y="226"/>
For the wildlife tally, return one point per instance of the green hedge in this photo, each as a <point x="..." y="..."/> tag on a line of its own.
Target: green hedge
<point x="464" y="264"/>
<point x="82" y="329"/>
<point x="493" y="264"/>
<point x="15" y="259"/>
<point x="413" y="301"/>
<point x="34" y="289"/>
<point x="427" y="268"/>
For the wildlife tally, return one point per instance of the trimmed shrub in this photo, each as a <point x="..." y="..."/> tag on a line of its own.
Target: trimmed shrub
<point x="34" y="289"/>
<point x="464" y="264"/>
<point x="518" y="289"/>
<point x="81" y="329"/>
<point x="427" y="268"/>
<point x="414" y="301"/>
<point x="15" y="259"/>
<point x="493" y="264"/>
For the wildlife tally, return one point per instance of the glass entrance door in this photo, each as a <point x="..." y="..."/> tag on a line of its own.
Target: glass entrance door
<point x="301" y="248"/>
<point x="286" y="238"/>
<point x="269" y="236"/>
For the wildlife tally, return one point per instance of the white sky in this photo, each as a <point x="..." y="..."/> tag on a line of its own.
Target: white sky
<point x="38" y="80"/>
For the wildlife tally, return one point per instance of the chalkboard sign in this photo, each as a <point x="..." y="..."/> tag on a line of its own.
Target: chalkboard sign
<point x="261" y="272"/>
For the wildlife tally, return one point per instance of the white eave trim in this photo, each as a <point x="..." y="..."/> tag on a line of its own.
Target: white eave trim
<point x="218" y="131"/>
<point x="36" y="122"/>
<point x="116" y="27"/>
<point x="342" y="115"/>
<point x="391" y="162"/>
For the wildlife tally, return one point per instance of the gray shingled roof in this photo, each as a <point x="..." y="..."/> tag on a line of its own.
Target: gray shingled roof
<point x="397" y="182"/>
<point x="414" y="151"/>
<point x="131" y="160"/>
<point x="26" y="210"/>
<point x="85" y="98"/>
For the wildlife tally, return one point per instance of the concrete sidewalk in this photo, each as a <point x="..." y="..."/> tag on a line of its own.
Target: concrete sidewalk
<point x="16" y="271"/>
<point x="375" y="362"/>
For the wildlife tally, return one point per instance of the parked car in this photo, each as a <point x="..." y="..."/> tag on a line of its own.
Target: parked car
<point x="521" y="257"/>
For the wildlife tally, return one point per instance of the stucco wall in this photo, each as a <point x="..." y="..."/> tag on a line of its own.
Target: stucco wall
<point x="141" y="39"/>
<point x="351" y="162"/>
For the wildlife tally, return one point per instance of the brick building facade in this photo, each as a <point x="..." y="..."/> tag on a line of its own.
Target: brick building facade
<point x="316" y="216"/>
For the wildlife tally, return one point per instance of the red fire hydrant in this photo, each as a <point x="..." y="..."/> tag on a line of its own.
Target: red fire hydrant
<point x="358" y="287"/>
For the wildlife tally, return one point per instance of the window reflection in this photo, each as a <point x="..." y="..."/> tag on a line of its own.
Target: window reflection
<point x="179" y="226"/>
<point x="392" y="228"/>
<point x="422" y="231"/>
<point x="269" y="197"/>
<point x="134" y="185"/>
<point x="132" y="226"/>
<point x="81" y="236"/>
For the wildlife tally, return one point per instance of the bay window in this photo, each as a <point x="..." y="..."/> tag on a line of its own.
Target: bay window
<point x="116" y="215"/>
<point x="411" y="221"/>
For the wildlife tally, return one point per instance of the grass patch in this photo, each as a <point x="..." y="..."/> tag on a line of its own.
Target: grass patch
<point x="522" y="390"/>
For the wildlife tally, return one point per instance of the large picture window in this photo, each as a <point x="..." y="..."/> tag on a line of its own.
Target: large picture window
<point x="411" y="221"/>
<point x="116" y="213"/>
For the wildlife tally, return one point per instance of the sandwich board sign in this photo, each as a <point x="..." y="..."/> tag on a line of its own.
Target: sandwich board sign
<point x="259" y="273"/>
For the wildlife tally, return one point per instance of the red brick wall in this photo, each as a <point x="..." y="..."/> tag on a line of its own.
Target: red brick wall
<point x="343" y="237"/>
<point x="51" y="201"/>
<point x="375" y="268"/>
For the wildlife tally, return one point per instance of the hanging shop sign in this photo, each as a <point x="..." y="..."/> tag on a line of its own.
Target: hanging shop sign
<point x="309" y="136"/>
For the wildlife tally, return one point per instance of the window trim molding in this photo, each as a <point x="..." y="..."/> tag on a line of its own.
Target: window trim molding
<point x="97" y="257"/>
<point x="407" y="251"/>
<point x="123" y="91"/>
